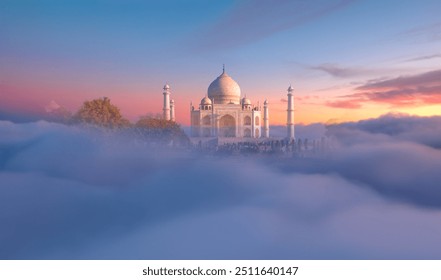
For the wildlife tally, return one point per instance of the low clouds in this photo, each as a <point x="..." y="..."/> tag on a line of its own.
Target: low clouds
<point x="71" y="193"/>
<point x="398" y="156"/>
<point x="249" y="21"/>
<point x="414" y="90"/>
<point x="421" y="130"/>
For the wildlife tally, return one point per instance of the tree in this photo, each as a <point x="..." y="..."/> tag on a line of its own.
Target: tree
<point x="102" y="113"/>
<point x="163" y="130"/>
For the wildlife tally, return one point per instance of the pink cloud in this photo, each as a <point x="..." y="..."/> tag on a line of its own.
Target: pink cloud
<point x="416" y="90"/>
<point x="347" y="104"/>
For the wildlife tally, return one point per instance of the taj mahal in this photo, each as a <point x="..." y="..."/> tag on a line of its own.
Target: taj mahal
<point x="224" y="112"/>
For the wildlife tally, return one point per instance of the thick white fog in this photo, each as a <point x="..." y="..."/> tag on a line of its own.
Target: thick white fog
<point x="74" y="193"/>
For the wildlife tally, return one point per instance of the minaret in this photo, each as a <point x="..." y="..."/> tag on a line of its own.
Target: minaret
<point x="172" y="110"/>
<point x="265" y="120"/>
<point x="166" y="108"/>
<point x="290" y="114"/>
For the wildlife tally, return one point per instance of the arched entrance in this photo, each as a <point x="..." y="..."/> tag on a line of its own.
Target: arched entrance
<point x="247" y="120"/>
<point x="247" y="132"/>
<point x="227" y="126"/>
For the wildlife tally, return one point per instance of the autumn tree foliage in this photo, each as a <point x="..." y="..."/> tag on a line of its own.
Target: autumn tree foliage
<point x="102" y="113"/>
<point x="153" y="129"/>
<point x="160" y="129"/>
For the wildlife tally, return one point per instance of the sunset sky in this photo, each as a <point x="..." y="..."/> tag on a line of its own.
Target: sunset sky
<point x="347" y="59"/>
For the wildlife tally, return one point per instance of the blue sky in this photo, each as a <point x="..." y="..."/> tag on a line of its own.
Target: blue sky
<point x="69" y="51"/>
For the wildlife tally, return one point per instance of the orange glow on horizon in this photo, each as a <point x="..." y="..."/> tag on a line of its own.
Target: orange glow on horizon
<point x="137" y="101"/>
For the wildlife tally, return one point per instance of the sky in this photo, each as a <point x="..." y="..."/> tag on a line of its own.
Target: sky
<point x="70" y="192"/>
<point x="347" y="60"/>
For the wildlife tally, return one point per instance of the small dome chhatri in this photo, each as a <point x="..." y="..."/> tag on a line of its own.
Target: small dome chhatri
<point x="224" y="90"/>
<point x="246" y="101"/>
<point x="206" y="101"/>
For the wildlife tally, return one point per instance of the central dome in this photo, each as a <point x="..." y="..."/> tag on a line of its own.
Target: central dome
<point x="224" y="90"/>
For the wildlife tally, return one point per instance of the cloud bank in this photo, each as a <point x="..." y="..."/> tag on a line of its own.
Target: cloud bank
<point x="70" y="193"/>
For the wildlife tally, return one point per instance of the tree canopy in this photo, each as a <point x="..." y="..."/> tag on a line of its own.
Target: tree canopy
<point x="102" y="113"/>
<point x="160" y="129"/>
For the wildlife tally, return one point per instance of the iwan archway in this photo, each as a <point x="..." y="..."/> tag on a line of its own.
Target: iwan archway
<point x="227" y="126"/>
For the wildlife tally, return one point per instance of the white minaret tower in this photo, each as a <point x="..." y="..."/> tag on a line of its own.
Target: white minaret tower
<point x="265" y="120"/>
<point x="290" y="114"/>
<point x="172" y="110"/>
<point x="166" y="108"/>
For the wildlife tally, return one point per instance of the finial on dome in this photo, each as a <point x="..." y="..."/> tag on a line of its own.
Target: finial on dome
<point x="290" y="89"/>
<point x="223" y="68"/>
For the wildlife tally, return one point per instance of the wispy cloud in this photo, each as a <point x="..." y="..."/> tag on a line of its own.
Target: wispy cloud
<point x="429" y="32"/>
<point x="424" y="57"/>
<point x="430" y="78"/>
<point x="250" y="21"/>
<point x="415" y="90"/>
<point x="347" y="104"/>
<point x="339" y="71"/>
